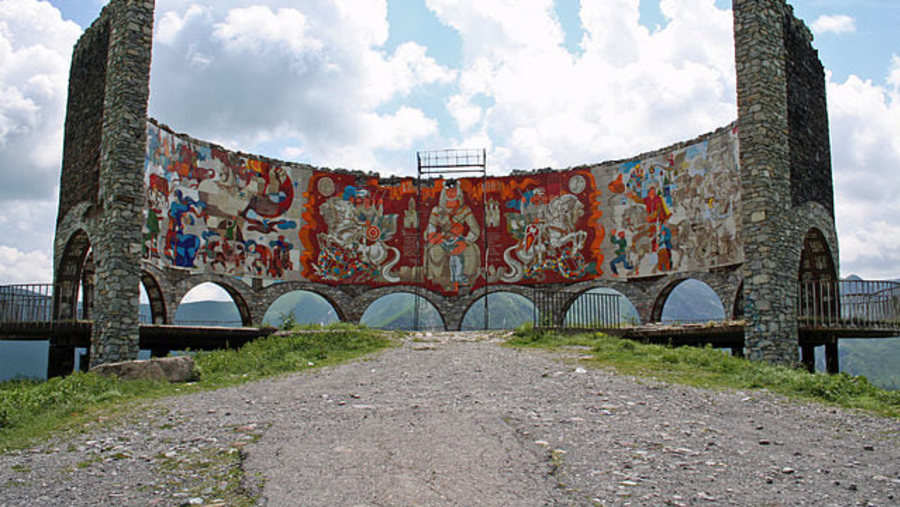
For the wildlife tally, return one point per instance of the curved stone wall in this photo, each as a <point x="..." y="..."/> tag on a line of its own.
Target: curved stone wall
<point x="210" y="210"/>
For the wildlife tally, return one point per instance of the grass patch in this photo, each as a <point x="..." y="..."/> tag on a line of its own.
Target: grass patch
<point x="31" y="410"/>
<point x="710" y="368"/>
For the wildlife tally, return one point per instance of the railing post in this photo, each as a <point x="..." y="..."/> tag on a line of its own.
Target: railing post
<point x="832" y="357"/>
<point x="808" y="357"/>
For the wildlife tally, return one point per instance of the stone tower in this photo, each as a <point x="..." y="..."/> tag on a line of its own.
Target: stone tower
<point x="785" y="161"/>
<point x="101" y="201"/>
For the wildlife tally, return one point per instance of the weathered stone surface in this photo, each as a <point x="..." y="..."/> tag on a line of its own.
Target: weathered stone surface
<point x="169" y="369"/>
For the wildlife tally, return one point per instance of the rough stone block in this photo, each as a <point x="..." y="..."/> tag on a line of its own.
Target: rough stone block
<point x="169" y="369"/>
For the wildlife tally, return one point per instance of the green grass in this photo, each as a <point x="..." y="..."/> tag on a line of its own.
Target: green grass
<point x="32" y="410"/>
<point x="710" y="368"/>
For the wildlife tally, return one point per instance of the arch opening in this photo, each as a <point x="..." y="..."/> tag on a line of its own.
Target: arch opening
<point x="212" y="304"/>
<point x="818" y="295"/>
<point x="75" y="279"/>
<point x="692" y="301"/>
<point x="398" y="311"/>
<point x="152" y="303"/>
<point x="737" y="313"/>
<point x="816" y="263"/>
<point x="586" y="310"/>
<point x="300" y="307"/>
<point x="505" y="310"/>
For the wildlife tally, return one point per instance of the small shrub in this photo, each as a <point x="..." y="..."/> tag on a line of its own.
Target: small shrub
<point x="288" y="321"/>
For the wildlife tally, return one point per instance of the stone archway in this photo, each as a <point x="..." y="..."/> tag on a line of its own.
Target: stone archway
<point x="367" y="304"/>
<point x="70" y="276"/>
<point x="239" y="297"/>
<point x="158" y="313"/>
<point x="816" y="262"/>
<point x="706" y="303"/>
<point x="506" y="309"/>
<point x="587" y="310"/>
<point x="819" y="297"/>
<point x="339" y="300"/>
<point x="300" y="307"/>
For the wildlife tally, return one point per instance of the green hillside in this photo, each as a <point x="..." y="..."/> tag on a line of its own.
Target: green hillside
<point x="877" y="360"/>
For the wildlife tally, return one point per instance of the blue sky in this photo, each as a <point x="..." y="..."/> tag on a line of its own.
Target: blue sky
<point x="363" y="84"/>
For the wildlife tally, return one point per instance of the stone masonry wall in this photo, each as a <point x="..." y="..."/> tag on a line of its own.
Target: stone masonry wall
<point x="807" y="118"/>
<point x="770" y="262"/>
<point x="84" y="118"/>
<point x="117" y="251"/>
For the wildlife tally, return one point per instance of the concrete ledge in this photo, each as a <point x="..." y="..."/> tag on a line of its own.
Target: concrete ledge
<point x="168" y="369"/>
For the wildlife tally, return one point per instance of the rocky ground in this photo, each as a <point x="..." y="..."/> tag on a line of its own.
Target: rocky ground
<point x="455" y="419"/>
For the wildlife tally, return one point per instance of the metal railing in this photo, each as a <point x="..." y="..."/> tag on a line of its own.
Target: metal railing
<point x="849" y="304"/>
<point x="590" y="310"/>
<point x="449" y="159"/>
<point x="30" y="303"/>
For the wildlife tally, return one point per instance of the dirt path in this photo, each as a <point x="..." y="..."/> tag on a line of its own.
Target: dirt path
<point x="447" y="422"/>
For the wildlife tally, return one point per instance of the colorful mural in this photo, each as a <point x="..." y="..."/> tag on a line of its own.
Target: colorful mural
<point x="209" y="209"/>
<point x="676" y="211"/>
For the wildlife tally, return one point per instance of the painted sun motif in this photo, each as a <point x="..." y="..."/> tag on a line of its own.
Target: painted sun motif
<point x="577" y="184"/>
<point x="325" y="186"/>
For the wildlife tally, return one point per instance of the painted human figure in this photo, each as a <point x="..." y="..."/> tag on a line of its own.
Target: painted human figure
<point x="181" y="247"/>
<point x="281" y="257"/>
<point x="452" y="257"/>
<point x="621" y="247"/>
<point x="664" y="254"/>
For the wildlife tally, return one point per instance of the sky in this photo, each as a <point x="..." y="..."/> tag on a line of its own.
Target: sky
<point x="364" y="84"/>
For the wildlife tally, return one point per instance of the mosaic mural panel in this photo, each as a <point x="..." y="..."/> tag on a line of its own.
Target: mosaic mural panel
<point x="209" y="209"/>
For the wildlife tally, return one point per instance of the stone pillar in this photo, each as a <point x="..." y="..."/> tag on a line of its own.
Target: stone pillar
<point x="117" y="247"/>
<point x="770" y="259"/>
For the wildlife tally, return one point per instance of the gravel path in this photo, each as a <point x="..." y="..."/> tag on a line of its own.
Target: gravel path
<point x="455" y="419"/>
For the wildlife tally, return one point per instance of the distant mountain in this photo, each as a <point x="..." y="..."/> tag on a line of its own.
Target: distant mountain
<point x="302" y="308"/>
<point x="398" y="311"/>
<point x="877" y="359"/>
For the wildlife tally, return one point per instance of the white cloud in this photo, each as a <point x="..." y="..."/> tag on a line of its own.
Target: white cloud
<point x="836" y="24"/>
<point x="465" y="113"/>
<point x="35" y="50"/>
<point x="171" y="24"/>
<point x="627" y="91"/>
<point x="894" y="74"/>
<point x="258" y="29"/>
<point x="17" y="266"/>
<point x="315" y="76"/>
<point x="865" y="132"/>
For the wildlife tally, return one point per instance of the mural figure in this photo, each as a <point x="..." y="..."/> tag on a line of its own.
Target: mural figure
<point x="452" y="258"/>
<point x="182" y="247"/>
<point x="355" y="242"/>
<point x="548" y="239"/>
<point x="621" y="249"/>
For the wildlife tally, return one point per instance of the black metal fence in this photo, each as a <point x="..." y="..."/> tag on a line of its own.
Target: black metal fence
<point x="590" y="310"/>
<point x="857" y="304"/>
<point x="26" y="303"/>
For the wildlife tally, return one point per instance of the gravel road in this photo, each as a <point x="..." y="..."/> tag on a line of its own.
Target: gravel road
<point x="456" y="419"/>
